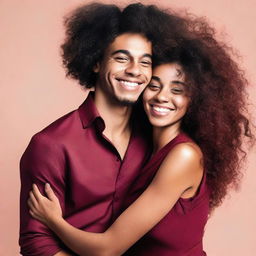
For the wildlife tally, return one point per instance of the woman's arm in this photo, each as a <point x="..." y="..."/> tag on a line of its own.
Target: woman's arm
<point x="181" y="170"/>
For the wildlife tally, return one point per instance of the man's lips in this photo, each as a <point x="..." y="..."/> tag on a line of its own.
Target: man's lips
<point x="130" y="84"/>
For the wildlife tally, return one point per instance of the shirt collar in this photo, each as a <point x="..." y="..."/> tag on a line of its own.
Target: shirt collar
<point x="88" y="113"/>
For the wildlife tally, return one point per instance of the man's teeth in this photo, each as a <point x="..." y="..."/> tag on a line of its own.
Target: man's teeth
<point x="161" y="110"/>
<point x="130" y="84"/>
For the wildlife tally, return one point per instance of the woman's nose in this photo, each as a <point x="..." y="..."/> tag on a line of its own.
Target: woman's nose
<point x="163" y="96"/>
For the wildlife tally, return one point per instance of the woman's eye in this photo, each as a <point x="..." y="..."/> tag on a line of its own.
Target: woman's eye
<point x="177" y="90"/>
<point x="153" y="87"/>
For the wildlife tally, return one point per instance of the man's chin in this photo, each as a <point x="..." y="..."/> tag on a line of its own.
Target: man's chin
<point x="126" y="101"/>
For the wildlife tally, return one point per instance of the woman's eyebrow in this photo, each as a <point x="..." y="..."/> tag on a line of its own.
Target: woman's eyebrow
<point x="156" y="78"/>
<point x="178" y="82"/>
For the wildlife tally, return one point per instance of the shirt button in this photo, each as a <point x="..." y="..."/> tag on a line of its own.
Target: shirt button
<point x="117" y="159"/>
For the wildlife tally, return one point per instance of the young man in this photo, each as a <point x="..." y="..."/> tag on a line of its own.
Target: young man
<point x="92" y="155"/>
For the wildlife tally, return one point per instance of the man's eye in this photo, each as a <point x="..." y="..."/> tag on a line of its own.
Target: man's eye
<point x="146" y="63"/>
<point x="121" y="59"/>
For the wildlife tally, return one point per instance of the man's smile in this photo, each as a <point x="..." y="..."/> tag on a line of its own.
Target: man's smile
<point x="129" y="84"/>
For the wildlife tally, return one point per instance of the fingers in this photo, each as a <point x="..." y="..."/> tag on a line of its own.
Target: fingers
<point x="30" y="204"/>
<point x="33" y="199"/>
<point x="32" y="213"/>
<point x="35" y="216"/>
<point x="36" y="192"/>
<point x="50" y="192"/>
<point x="33" y="209"/>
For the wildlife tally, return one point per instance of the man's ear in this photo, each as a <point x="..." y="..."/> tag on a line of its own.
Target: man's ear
<point x="96" y="68"/>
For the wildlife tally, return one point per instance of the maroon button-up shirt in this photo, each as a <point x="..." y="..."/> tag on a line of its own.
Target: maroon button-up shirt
<point x="85" y="171"/>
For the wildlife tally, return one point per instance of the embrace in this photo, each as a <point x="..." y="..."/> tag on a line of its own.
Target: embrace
<point x="140" y="165"/>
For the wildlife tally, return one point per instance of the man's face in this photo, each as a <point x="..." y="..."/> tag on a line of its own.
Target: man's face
<point x="126" y="68"/>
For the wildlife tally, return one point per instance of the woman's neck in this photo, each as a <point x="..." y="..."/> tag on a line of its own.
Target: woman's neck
<point x="163" y="135"/>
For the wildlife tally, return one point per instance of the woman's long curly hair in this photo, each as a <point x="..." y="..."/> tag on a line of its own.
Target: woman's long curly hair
<point x="217" y="118"/>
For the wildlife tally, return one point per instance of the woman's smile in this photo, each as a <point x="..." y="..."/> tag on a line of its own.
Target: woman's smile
<point x="166" y="99"/>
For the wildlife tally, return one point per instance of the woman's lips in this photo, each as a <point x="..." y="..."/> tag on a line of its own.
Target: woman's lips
<point x="160" y="110"/>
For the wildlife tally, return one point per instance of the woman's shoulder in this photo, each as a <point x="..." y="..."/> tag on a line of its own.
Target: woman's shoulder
<point x="184" y="160"/>
<point x="186" y="151"/>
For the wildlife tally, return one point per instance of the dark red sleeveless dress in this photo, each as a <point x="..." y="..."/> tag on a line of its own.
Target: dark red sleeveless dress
<point x="181" y="231"/>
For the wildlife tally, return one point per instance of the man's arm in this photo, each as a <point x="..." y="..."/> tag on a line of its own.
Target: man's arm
<point x="43" y="161"/>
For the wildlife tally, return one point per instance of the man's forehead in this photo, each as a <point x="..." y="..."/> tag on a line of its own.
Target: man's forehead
<point x="132" y="43"/>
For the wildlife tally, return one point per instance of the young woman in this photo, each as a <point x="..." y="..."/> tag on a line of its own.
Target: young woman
<point x="195" y="103"/>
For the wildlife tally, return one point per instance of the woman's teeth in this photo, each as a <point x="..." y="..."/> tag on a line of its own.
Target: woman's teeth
<point x="161" y="110"/>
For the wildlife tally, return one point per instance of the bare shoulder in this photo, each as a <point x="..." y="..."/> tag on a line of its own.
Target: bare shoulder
<point x="187" y="151"/>
<point x="184" y="162"/>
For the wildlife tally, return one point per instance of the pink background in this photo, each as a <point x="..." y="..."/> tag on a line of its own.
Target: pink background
<point x="35" y="92"/>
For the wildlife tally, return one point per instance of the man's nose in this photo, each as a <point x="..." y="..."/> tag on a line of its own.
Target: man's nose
<point x="133" y="69"/>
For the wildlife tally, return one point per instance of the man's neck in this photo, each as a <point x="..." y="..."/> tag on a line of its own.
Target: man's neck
<point x="116" y="118"/>
<point x="115" y="115"/>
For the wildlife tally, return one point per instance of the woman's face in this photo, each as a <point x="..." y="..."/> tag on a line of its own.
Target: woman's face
<point x="166" y="97"/>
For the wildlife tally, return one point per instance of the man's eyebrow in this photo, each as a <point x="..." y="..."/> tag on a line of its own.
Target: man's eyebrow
<point x="121" y="51"/>
<point x="129" y="54"/>
<point x="147" y="55"/>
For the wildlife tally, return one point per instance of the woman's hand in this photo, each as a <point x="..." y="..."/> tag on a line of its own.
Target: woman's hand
<point x="45" y="209"/>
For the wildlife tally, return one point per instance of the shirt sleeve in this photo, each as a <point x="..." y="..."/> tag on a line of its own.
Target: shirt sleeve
<point x="43" y="161"/>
